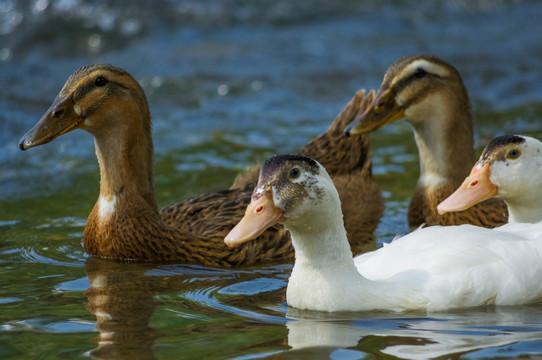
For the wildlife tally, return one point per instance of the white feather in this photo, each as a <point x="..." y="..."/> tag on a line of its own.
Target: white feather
<point x="432" y="268"/>
<point x="106" y="207"/>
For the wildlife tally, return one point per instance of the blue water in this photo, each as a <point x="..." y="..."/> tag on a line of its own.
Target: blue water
<point x="230" y="83"/>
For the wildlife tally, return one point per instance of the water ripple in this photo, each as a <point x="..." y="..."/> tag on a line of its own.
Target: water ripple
<point x="47" y="325"/>
<point x="51" y="256"/>
<point x="218" y="289"/>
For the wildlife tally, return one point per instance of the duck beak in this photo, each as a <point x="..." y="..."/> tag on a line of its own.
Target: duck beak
<point x="261" y="213"/>
<point x="476" y="188"/>
<point x="383" y="110"/>
<point x="60" y="119"/>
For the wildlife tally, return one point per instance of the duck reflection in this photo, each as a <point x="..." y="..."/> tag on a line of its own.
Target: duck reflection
<point x="122" y="298"/>
<point x="206" y="303"/>
<point x="412" y="336"/>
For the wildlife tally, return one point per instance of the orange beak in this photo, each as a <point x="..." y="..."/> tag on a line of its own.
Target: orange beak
<point x="261" y="213"/>
<point x="476" y="188"/>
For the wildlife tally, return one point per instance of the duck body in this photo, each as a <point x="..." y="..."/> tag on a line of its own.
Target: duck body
<point x="125" y="222"/>
<point x="434" y="268"/>
<point x="464" y="265"/>
<point x="430" y="95"/>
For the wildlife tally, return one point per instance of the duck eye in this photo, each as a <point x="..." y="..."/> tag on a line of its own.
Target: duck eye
<point x="419" y="73"/>
<point x="100" y="81"/>
<point x="513" y="154"/>
<point x="294" y="174"/>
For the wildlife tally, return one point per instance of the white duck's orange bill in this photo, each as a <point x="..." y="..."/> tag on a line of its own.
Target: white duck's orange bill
<point x="261" y="214"/>
<point x="476" y="188"/>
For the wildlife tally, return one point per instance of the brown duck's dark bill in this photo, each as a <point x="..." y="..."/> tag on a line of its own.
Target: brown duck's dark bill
<point x="260" y="215"/>
<point x="383" y="110"/>
<point x="60" y="119"/>
<point x="476" y="188"/>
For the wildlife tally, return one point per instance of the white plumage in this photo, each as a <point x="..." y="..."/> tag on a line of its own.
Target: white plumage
<point x="463" y="265"/>
<point x="433" y="268"/>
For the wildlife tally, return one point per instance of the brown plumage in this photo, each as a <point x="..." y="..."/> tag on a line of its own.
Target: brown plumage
<point x="429" y="94"/>
<point x="125" y="223"/>
<point x="422" y="207"/>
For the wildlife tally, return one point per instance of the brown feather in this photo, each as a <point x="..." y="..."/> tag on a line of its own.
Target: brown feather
<point x="429" y="93"/>
<point x="129" y="226"/>
<point x="422" y="209"/>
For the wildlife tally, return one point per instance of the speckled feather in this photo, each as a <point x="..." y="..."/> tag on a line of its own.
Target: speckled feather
<point x="348" y="161"/>
<point x="431" y="269"/>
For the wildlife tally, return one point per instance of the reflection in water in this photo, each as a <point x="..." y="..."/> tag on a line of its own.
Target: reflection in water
<point x="412" y="337"/>
<point x="122" y="298"/>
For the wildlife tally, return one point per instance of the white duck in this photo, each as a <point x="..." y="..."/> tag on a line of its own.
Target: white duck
<point x="509" y="168"/>
<point x="434" y="268"/>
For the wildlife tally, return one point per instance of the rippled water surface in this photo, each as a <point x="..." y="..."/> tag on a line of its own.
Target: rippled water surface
<point x="231" y="83"/>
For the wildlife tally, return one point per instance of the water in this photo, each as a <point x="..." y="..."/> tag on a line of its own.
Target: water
<point x="231" y="83"/>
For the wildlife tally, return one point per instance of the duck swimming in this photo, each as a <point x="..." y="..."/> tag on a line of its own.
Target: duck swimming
<point x="125" y="222"/>
<point x="509" y="168"/>
<point x="429" y="93"/>
<point x="433" y="268"/>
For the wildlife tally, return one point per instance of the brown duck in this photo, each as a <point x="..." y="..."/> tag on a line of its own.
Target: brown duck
<point x="429" y="94"/>
<point x="125" y="222"/>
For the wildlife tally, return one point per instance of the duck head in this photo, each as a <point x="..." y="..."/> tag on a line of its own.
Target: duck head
<point x="96" y="98"/>
<point x="510" y="168"/>
<point x="414" y="88"/>
<point x="292" y="190"/>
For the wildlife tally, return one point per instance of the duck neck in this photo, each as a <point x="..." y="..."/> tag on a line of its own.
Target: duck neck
<point x="445" y="141"/>
<point x="526" y="209"/>
<point x="125" y="156"/>
<point x="324" y="276"/>
<point x="321" y="246"/>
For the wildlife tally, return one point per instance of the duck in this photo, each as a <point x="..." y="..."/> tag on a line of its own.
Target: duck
<point x="349" y="161"/>
<point x="430" y="269"/>
<point x="430" y="95"/>
<point x="125" y="222"/>
<point x="509" y="168"/>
